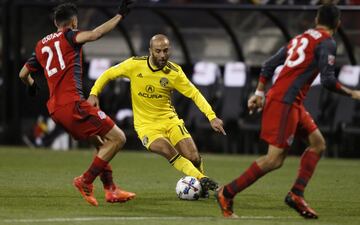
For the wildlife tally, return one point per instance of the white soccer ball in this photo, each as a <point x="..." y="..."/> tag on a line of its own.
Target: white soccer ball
<point x="188" y="188"/>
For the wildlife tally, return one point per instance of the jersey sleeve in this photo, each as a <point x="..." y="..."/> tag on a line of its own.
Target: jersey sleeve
<point x="185" y="87"/>
<point x="33" y="64"/>
<point x="71" y="37"/>
<point x="268" y="68"/>
<point x="123" y="69"/>
<point x="325" y="53"/>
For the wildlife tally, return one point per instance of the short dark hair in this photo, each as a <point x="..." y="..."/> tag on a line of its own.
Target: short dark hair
<point x="328" y="15"/>
<point x="64" y="13"/>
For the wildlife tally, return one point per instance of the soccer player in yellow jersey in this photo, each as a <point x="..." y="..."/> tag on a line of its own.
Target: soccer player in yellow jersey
<point x="152" y="79"/>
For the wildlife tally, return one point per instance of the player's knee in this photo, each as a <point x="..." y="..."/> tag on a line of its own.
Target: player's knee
<point x="274" y="163"/>
<point x="120" y="141"/>
<point x="320" y="148"/>
<point x="319" y="145"/>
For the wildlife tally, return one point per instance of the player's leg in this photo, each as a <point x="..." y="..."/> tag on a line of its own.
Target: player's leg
<point x="272" y="160"/>
<point x="187" y="148"/>
<point x="106" y="176"/>
<point x="115" y="139"/>
<point x="85" y="121"/>
<point x="184" y="144"/>
<point x="113" y="193"/>
<point x="164" y="148"/>
<point x="308" y="162"/>
<point x="279" y="123"/>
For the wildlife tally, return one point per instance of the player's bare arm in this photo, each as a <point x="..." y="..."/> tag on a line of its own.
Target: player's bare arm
<point x="354" y="94"/>
<point x="257" y="100"/>
<point x="25" y="76"/>
<point x="94" y="100"/>
<point x="32" y="88"/>
<point x="98" y="32"/>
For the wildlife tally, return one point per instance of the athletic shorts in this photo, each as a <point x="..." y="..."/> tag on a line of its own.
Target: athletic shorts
<point x="173" y="129"/>
<point x="282" y="122"/>
<point x="82" y="120"/>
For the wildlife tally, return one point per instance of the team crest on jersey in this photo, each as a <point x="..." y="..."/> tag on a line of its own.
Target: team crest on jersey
<point x="164" y="82"/>
<point x="101" y="114"/>
<point x="150" y="89"/>
<point x="331" y="60"/>
<point x="145" y="140"/>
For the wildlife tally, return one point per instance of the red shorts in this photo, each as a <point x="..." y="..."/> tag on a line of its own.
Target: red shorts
<point x="82" y="120"/>
<point x="281" y="122"/>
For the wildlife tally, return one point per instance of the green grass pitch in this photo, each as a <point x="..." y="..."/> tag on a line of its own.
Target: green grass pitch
<point x="36" y="188"/>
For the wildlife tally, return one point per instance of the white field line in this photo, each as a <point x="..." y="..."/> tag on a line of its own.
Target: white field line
<point x="135" y="218"/>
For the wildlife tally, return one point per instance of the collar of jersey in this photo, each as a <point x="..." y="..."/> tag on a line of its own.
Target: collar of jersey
<point x="149" y="65"/>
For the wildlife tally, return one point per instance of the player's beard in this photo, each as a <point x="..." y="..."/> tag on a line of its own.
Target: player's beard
<point x="161" y="63"/>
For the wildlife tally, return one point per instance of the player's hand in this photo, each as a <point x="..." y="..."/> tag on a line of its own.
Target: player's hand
<point x="355" y="94"/>
<point x="125" y="7"/>
<point x="218" y="125"/>
<point x="256" y="102"/>
<point x="33" y="89"/>
<point x="94" y="101"/>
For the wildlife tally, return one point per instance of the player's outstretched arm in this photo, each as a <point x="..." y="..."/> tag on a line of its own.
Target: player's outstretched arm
<point x="98" y="32"/>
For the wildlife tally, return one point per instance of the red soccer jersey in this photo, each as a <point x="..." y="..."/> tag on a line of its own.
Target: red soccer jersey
<point x="304" y="57"/>
<point x="60" y="57"/>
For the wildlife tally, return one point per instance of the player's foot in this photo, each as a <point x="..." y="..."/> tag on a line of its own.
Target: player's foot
<point x="86" y="190"/>
<point x="115" y="194"/>
<point x="298" y="203"/>
<point x="226" y="204"/>
<point x="208" y="184"/>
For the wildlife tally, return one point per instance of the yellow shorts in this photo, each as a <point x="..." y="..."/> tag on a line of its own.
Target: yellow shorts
<point x="174" y="130"/>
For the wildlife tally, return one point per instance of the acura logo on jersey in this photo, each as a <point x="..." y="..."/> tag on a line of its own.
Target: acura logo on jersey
<point x="150" y="88"/>
<point x="147" y="95"/>
<point x="164" y="82"/>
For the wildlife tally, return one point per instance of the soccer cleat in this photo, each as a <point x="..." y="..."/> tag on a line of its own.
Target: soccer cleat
<point x="208" y="184"/>
<point x="226" y="204"/>
<point x="115" y="194"/>
<point x="204" y="194"/>
<point x="298" y="203"/>
<point x="86" y="190"/>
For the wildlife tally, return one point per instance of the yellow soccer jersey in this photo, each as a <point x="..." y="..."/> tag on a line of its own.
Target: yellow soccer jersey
<point x="151" y="89"/>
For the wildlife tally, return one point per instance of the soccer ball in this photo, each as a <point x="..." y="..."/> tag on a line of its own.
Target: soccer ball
<point x="188" y="188"/>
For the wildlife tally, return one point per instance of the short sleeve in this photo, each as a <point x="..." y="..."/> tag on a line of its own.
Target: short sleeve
<point x="33" y="64"/>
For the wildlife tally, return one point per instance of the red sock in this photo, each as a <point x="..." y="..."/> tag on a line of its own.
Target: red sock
<point x="106" y="177"/>
<point x="252" y="174"/>
<point x="308" y="164"/>
<point x="98" y="165"/>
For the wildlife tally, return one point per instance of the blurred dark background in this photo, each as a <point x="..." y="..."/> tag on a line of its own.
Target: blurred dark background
<point x="226" y="40"/>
